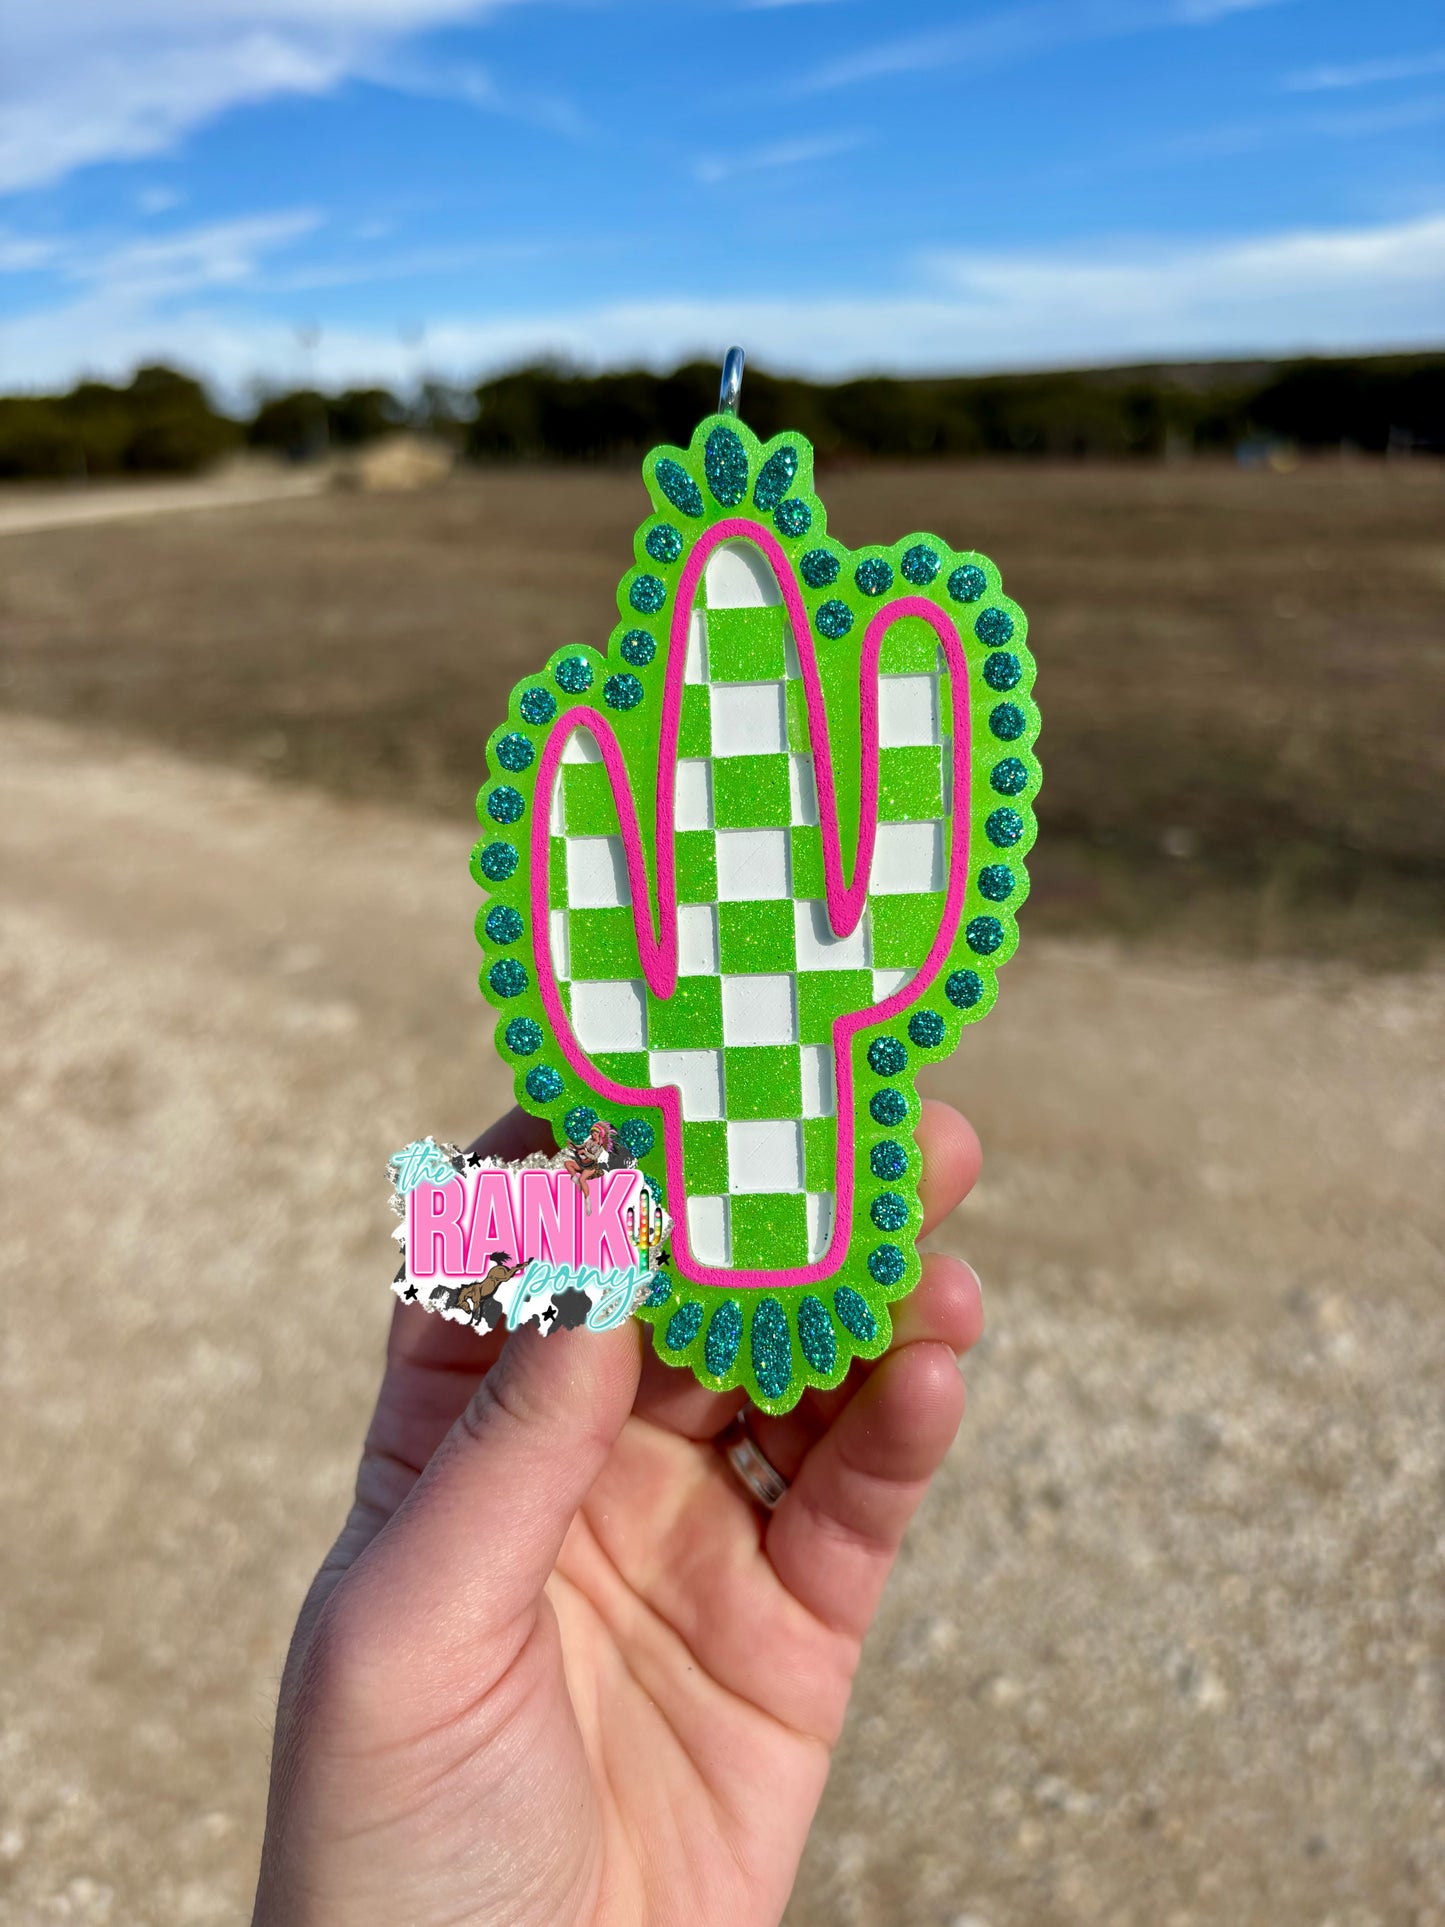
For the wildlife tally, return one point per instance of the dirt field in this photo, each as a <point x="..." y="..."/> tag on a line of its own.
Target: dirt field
<point x="1168" y="1644"/>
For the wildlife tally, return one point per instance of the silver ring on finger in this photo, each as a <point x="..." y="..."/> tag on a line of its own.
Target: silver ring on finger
<point x="751" y="1467"/>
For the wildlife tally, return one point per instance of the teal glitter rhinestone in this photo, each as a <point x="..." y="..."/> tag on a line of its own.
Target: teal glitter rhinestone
<point x="497" y="862"/>
<point x="1003" y="828"/>
<point x="1002" y="671"/>
<point x="544" y="1085"/>
<point x="888" y="1211"/>
<point x="994" y="628"/>
<point x="638" y="648"/>
<point x="920" y="564"/>
<point x="515" y="752"/>
<point x="775" y="478"/>
<point x="503" y="924"/>
<point x="724" y="1335"/>
<point x="678" y="486"/>
<point x="622" y="691"/>
<point x="660" y="1291"/>
<point x="967" y="584"/>
<point x="888" y="1160"/>
<point x="834" y="619"/>
<point x="793" y="517"/>
<point x="996" y="882"/>
<point x="819" y="568"/>
<point x="887" y="1056"/>
<point x="638" y="1136"/>
<point x="772" y="1348"/>
<point x="873" y="575"/>
<point x="1007" y="721"/>
<point x="725" y="464"/>
<point x="888" y="1106"/>
<point x="523" y="1036"/>
<point x="537" y="706"/>
<point x="505" y="804"/>
<point x="854" y="1315"/>
<point x="984" y="934"/>
<point x="663" y="543"/>
<point x="927" y="1029"/>
<point x="887" y="1264"/>
<point x="647" y="594"/>
<point x="1009" y="776"/>
<point x="683" y="1326"/>
<point x="579" y="1121"/>
<point x="507" y="977"/>
<point x="963" y="989"/>
<point x="574" y="674"/>
<point x="815" y="1335"/>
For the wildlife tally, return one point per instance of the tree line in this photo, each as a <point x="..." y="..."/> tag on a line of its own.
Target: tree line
<point x="164" y="422"/>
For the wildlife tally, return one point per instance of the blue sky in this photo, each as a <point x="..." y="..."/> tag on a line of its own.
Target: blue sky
<point x="346" y="190"/>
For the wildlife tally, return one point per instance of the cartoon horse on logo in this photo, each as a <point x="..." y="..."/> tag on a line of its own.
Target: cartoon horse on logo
<point x="472" y="1296"/>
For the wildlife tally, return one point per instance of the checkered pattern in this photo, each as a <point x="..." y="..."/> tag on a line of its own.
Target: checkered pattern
<point x="746" y="1037"/>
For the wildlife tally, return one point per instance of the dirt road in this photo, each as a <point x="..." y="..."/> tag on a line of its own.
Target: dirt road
<point x="1166" y="1646"/>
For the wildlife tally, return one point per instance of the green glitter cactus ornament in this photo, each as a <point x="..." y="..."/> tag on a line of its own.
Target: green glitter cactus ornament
<point x="750" y="869"/>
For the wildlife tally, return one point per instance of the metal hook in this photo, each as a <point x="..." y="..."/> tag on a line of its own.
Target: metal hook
<point x="732" y="382"/>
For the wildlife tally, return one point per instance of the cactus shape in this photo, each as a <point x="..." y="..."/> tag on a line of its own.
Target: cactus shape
<point x="749" y="869"/>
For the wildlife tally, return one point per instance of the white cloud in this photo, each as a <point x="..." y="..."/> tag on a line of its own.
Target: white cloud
<point x="109" y="80"/>
<point x="1335" y="289"/>
<point x="1366" y="73"/>
<point x="795" y="153"/>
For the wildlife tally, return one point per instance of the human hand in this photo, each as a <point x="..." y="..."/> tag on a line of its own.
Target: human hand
<point x="559" y="1668"/>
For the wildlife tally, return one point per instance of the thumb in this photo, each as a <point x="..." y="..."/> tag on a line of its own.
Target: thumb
<point x="479" y="1533"/>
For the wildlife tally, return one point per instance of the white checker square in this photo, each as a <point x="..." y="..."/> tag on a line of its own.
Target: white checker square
<point x="557" y="932"/>
<point x="818" y="1098"/>
<point x="947" y="766"/>
<point x="885" y="982"/>
<point x="555" y="823"/>
<point x="907" y="710"/>
<point x="802" y="789"/>
<point x="696" y="940"/>
<point x="752" y="865"/>
<point x="692" y="799"/>
<point x="609" y="1015"/>
<point x="707" y="1230"/>
<point x="819" y="1207"/>
<point x="759" y="1010"/>
<point x="596" y="873"/>
<point x="907" y="857"/>
<point x="792" y="668"/>
<point x="748" y="719"/>
<point x="698" y="1075"/>
<point x="765" y="1157"/>
<point x="739" y="578"/>
<point x="581" y="747"/>
<point x="818" y="948"/>
<point x="694" y="668"/>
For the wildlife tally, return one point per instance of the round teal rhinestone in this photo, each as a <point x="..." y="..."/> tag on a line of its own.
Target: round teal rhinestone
<point x="854" y="1314"/>
<point x="834" y="619"/>
<point x="888" y="1106"/>
<point x="920" y="564"/>
<point x="887" y="1264"/>
<point x="793" y="517"/>
<point x="996" y="882"/>
<point x="503" y="924"/>
<point x="772" y="1348"/>
<point x="647" y="594"/>
<point x="819" y="568"/>
<point x="622" y="691"/>
<point x="967" y="584"/>
<point x="505" y="804"/>
<point x="678" y="486"/>
<point x="888" y="1160"/>
<point x="1003" y="828"/>
<point x="887" y="1056"/>
<point x="888" y="1211"/>
<point x="994" y="628"/>
<point x="963" y="989"/>
<point x="1009" y="776"/>
<point x="873" y="575"/>
<point x="638" y="648"/>
<point x="507" y="977"/>
<point x="927" y="1029"/>
<point x="543" y="1084"/>
<point x="515" y="752"/>
<point x="637" y="1136"/>
<point x="683" y="1326"/>
<point x="523" y="1036"/>
<point x="984" y="934"/>
<point x="579" y="1121"/>
<point x="1002" y="671"/>
<point x="537" y="706"/>
<point x="1007" y="721"/>
<point x="497" y="862"/>
<point x="663" y="543"/>
<point x="574" y="674"/>
<point x="724" y="1335"/>
<point x="815" y="1336"/>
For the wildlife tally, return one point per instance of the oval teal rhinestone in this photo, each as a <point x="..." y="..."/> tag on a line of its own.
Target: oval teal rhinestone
<point x="683" y="1326"/>
<point x="854" y="1315"/>
<point x="775" y="478"/>
<point x="772" y="1349"/>
<point x="724" y="1335"/>
<point x="815" y="1335"/>
<point x="678" y="486"/>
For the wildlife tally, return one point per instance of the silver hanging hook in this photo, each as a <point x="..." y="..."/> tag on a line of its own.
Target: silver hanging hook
<point x="732" y="382"/>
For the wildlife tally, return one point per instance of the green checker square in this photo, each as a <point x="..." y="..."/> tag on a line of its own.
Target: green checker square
<point x="601" y="943"/>
<point x="763" y="1080"/>
<point x="826" y="994"/>
<point x="588" y="809"/>
<point x="769" y="1228"/>
<point x="820" y="1149"/>
<point x="751" y="792"/>
<point x="745" y="645"/>
<point x="690" y="1019"/>
<point x="796" y="706"/>
<point x="903" y="929"/>
<point x="557" y="871"/>
<point x="694" y="735"/>
<point x="705" y="1160"/>
<point x="696" y="866"/>
<point x="910" y="784"/>
<point x="625" y="1067"/>
<point x="808" y="862"/>
<point x="909" y="649"/>
<point x="753" y="937"/>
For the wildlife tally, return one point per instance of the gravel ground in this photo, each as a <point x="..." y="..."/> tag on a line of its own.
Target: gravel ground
<point x="1166" y="1645"/>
